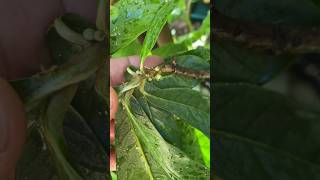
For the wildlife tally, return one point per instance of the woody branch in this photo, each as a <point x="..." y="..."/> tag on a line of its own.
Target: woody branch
<point x="277" y="38"/>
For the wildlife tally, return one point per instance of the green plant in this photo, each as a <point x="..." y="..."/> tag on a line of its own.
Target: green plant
<point x="162" y="128"/>
<point x="262" y="132"/>
<point x="66" y="105"/>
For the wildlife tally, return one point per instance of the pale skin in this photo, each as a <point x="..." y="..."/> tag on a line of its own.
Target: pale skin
<point x="22" y="52"/>
<point x="118" y="67"/>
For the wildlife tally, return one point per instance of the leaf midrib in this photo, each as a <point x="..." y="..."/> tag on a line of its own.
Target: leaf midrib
<point x="138" y="141"/>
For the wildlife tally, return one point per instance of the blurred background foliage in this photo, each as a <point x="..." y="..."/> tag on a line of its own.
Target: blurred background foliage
<point x="266" y="90"/>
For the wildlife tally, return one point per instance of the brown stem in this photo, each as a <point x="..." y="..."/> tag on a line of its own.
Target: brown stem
<point x="174" y="69"/>
<point x="279" y="39"/>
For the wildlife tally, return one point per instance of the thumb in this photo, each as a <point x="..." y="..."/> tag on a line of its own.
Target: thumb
<point x="13" y="125"/>
<point x="113" y="111"/>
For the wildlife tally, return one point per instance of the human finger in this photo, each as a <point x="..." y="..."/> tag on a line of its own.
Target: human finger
<point x="118" y="66"/>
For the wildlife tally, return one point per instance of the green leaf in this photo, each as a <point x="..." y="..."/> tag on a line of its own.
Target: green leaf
<point x="156" y="26"/>
<point x="204" y="144"/>
<point x="235" y="64"/>
<point x="275" y="137"/>
<point x="113" y="175"/>
<point x="87" y="152"/>
<point x="133" y="48"/>
<point x="201" y="52"/>
<point x="174" y="130"/>
<point x="290" y="12"/>
<point x="51" y="124"/>
<point x="175" y="81"/>
<point x="80" y="67"/>
<point x="169" y="49"/>
<point x="36" y="161"/>
<point x="139" y="145"/>
<point x="129" y="19"/>
<point x="192" y="62"/>
<point x="93" y="108"/>
<point x="185" y="103"/>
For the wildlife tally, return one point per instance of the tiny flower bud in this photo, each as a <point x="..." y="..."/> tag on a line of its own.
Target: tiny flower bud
<point x="158" y="77"/>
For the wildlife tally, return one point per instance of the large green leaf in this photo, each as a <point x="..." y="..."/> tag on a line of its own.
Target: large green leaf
<point x="270" y="137"/>
<point x="291" y="12"/>
<point x="94" y="109"/>
<point x="36" y="162"/>
<point x="235" y="64"/>
<point x="129" y="19"/>
<point x="187" y="104"/>
<point x="141" y="146"/>
<point x="173" y="130"/>
<point x="85" y="148"/>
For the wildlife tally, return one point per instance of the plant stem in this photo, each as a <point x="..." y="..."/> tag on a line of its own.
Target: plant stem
<point x="187" y="15"/>
<point x="101" y="15"/>
<point x="279" y="39"/>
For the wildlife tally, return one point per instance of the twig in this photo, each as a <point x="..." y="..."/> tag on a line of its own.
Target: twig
<point x="187" y="15"/>
<point x="174" y="69"/>
<point x="277" y="38"/>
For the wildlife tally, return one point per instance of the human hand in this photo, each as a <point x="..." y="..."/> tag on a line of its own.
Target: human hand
<point x="118" y="67"/>
<point x="22" y="52"/>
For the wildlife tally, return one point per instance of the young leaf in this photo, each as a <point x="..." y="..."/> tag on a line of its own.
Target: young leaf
<point x="142" y="147"/>
<point x="158" y="22"/>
